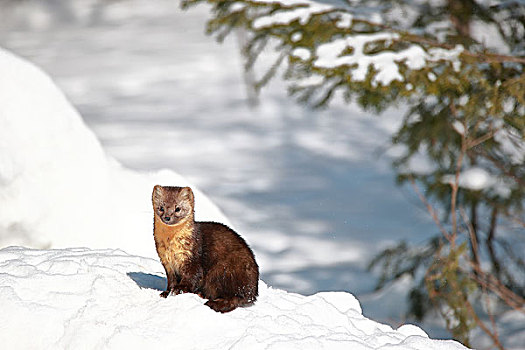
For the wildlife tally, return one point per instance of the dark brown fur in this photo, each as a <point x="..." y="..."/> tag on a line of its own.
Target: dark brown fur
<point x="206" y="258"/>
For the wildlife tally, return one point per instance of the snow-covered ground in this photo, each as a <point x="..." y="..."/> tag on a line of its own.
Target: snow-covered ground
<point x="309" y="190"/>
<point x="79" y="298"/>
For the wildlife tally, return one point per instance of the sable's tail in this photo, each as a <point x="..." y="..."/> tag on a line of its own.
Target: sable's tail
<point x="227" y="305"/>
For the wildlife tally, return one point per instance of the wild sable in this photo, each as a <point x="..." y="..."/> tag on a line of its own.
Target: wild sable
<point x="206" y="258"/>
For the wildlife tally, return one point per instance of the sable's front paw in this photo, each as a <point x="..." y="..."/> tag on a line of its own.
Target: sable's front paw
<point x="177" y="291"/>
<point x="165" y="294"/>
<point x="180" y="289"/>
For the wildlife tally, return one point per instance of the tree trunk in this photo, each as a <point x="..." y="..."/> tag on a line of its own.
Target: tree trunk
<point x="490" y="244"/>
<point x="460" y="12"/>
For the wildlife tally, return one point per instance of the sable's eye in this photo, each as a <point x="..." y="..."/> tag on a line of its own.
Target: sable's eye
<point x="177" y="209"/>
<point x="161" y="209"/>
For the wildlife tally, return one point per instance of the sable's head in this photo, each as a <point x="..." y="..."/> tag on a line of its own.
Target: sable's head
<point x="172" y="204"/>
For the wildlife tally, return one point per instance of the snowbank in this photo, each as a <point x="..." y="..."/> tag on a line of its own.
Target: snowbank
<point x="82" y="298"/>
<point x="57" y="186"/>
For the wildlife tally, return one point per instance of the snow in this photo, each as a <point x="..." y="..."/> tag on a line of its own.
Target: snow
<point x="459" y="127"/>
<point x="296" y="36"/>
<point x="79" y="298"/>
<point x="301" y="14"/>
<point x="57" y="186"/>
<point x="330" y="55"/>
<point x="512" y="144"/>
<point x="345" y="21"/>
<point x="135" y="91"/>
<point x="237" y="7"/>
<point x="302" y="53"/>
<point x="489" y="35"/>
<point x="478" y="179"/>
<point x="475" y="179"/>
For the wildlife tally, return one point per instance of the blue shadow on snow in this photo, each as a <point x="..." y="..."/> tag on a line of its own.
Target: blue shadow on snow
<point x="147" y="280"/>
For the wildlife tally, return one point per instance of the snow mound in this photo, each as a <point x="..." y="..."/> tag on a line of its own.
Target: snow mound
<point x="57" y="186"/>
<point x="81" y="298"/>
<point x="478" y="179"/>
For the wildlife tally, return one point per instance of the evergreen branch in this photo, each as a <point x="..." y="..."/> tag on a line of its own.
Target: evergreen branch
<point x="489" y="242"/>
<point x="455" y="185"/>
<point x="481" y="139"/>
<point x="490" y="282"/>
<point x="504" y="169"/>
<point x="482" y="57"/>
<point x="472" y="235"/>
<point x="430" y="209"/>
<point x="481" y="324"/>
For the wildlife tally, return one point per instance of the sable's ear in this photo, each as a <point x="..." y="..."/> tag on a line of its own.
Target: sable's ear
<point x="157" y="193"/>
<point x="187" y="193"/>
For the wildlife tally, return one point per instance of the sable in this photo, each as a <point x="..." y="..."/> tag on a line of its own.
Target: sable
<point x="206" y="258"/>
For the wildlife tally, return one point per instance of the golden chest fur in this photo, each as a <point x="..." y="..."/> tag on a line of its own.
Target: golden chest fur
<point x="173" y="242"/>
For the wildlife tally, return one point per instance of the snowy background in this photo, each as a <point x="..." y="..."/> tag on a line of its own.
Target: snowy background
<point x="311" y="191"/>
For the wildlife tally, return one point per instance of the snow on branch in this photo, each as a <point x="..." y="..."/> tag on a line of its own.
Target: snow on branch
<point x="301" y="11"/>
<point x="385" y="63"/>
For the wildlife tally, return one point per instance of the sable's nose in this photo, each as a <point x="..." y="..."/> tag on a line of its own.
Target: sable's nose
<point x="167" y="218"/>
